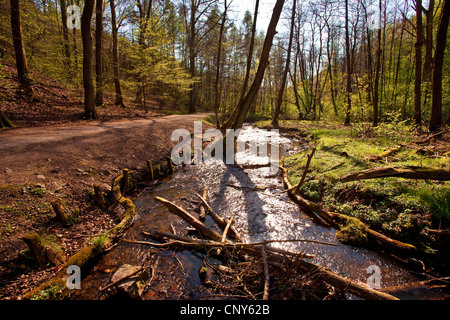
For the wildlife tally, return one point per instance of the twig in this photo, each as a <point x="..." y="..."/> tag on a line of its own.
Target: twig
<point x="302" y="180"/>
<point x="266" y="272"/>
<point x="123" y="278"/>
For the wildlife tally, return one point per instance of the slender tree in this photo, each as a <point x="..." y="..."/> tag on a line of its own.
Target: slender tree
<point x="21" y="60"/>
<point x="377" y="71"/>
<point x="65" y="34"/>
<point x="441" y="42"/>
<point x="244" y="106"/>
<point x="418" y="69"/>
<point x="286" y="68"/>
<point x="89" y="99"/>
<point x="115" y="53"/>
<point x="349" y="67"/>
<point x="98" y="52"/>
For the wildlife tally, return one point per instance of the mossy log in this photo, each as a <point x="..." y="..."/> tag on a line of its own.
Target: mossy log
<point x="91" y="251"/>
<point x="385" y="154"/>
<point x="419" y="173"/>
<point x="339" y="221"/>
<point x="37" y="248"/>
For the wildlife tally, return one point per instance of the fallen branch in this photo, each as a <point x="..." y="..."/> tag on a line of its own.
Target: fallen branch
<point x="266" y="273"/>
<point x="186" y="216"/>
<point x="419" y="173"/>
<point x="338" y="220"/>
<point x="221" y="222"/>
<point x="302" y="180"/>
<point x="122" y="279"/>
<point x="202" y="206"/>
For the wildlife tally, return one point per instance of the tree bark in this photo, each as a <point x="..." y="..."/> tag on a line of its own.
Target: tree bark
<point x="377" y="75"/>
<point x="418" y="69"/>
<point x="349" y="68"/>
<point x="65" y="34"/>
<point x="286" y="69"/>
<point x="264" y="62"/>
<point x="219" y="55"/>
<point x="21" y="60"/>
<point x="441" y="42"/>
<point x="98" y="52"/>
<point x="420" y="173"/>
<point x="115" y="31"/>
<point x="89" y="99"/>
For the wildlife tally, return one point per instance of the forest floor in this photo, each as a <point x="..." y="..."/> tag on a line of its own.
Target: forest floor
<point x="53" y="154"/>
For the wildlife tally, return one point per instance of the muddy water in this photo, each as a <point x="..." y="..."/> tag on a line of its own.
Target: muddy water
<point x="252" y="196"/>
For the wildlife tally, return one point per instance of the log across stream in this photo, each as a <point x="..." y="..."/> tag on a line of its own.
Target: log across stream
<point x="261" y="211"/>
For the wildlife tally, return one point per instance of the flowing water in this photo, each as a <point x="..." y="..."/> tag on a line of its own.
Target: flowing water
<point x="253" y="195"/>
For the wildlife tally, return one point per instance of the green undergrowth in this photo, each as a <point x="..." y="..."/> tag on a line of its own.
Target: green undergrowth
<point x="397" y="207"/>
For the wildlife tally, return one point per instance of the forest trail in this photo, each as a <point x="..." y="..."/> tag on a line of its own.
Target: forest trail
<point x="21" y="137"/>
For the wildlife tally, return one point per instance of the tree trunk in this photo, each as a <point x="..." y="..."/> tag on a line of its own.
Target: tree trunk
<point x="377" y="76"/>
<point x="286" y="69"/>
<point x="441" y="42"/>
<point x="98" y="52"/>
<point x="349" y="67"/>
<point x="192" y="56"/>
<point x="263" y="63"/>
<point x="89" y="99"/>
<point x="21" y="60"/>
<point x="119" y="97"/>
<point x="428" y="63"/>
<point x="219" y="54"/>
<point x="65" y="34"/>
<point x="4" y="121"/>
<point x="228" y="123"/>
<point x="418" y="70"/>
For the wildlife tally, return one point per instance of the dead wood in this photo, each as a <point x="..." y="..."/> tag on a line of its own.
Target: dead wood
<point x="339" y="220"/>
<point x="281" y="256"/>
<point x="385" y="154"/>
<point x="60" y="214"/>
<point x="435" y="135"/>
<point x="202" y="206"/>
<point x="440" y="233"/>
<point x="266" y="273"/>
<point x="302" y="180"/>
<point x="221" y="222"/>
<point x="419" y="173"/>
<point x="122" y="279"/>
<point x="186" y="216"/>
<point x="99" y="197"/>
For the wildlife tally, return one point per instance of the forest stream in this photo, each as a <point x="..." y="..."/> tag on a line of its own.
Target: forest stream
<point x="261" y="211"/>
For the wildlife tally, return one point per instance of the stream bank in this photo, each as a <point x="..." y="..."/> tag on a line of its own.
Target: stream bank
<point x="261" y="211"/>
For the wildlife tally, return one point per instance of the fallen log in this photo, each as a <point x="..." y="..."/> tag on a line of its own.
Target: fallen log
<point x="385" y="154"/>
<point x="186" y="216"/>
<point x="338" y="220"/>
<point x="202" y="206"/>
<point x="419" y="173"/>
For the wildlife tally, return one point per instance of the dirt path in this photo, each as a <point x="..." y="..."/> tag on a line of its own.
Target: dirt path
<point x="41" y="164"/>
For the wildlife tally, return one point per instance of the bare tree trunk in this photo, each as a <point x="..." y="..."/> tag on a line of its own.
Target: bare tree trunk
<point x="219" y="54"/>
<point x="119" y="97"/>
<point x="286" y="69"/>
<point x="98" y="52"/>
<point x="263" y="63"/>
<point x="65" y="34"/>
<point x="21" y="60"/>
<point x="418" y="69"/>
<point x="349" y="67"/>
<point x="89" y="99"/>
<point x="441" y="42"/>
<point x="377" y="75"/>
<point x="228" y="123"/>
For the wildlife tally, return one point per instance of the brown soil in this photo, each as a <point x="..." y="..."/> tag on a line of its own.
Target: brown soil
<point x="63" y="158"/>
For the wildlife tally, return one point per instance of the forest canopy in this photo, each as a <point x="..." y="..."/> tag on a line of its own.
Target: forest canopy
<point x="353" y="61"/>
